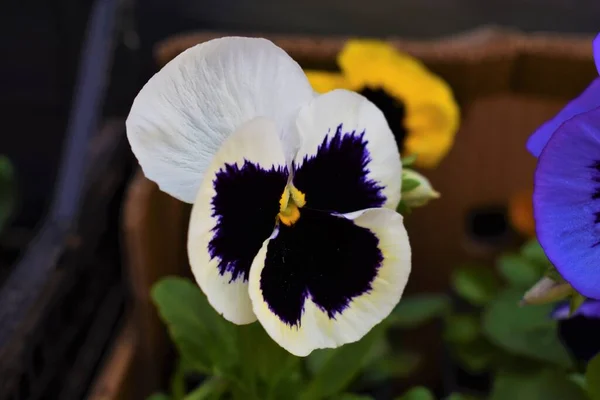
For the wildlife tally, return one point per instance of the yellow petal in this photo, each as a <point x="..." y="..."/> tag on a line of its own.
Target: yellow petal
<point x="363" y="60"/>
<point x="432" y="128"/>
<point x="324" y="81"/>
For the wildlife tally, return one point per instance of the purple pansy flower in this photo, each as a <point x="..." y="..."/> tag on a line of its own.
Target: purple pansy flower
<point x="579" y="332"/>
<point x="567" y="188"/>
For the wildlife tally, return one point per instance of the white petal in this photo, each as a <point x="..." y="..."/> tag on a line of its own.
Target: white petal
<point x="317" y="326"/>
<point x="360" y="125"/>
<point x="234" y="213"/>
<point x="183" y="114"/>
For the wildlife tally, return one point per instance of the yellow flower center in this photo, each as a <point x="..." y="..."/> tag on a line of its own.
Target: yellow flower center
<point x="289" y="205"/>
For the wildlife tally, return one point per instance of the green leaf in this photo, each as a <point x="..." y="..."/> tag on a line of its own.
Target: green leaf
<point x="8" y="192"/>
<point x="352" y="396"/>
<point x="379" y="364"/>
<point x="403" y="209"/>
<point x="380" y="349"/>
<point x="518" y="270"/>
<point x="403" y="363"/>
<point x="592" y="378"/>
<point x="578" y="379"/>
<point x="541" y="385"/>
<point x="399" y="364"/>
<point x="476" y="356"/>
<point x="315" y="360"/>
<point x="477" y="285"/>
<point x="460" y="396"/>
<point x="417" y="393"/>
<point x="575" y="302"/>
<point x="178" y="380"/>
<point x="211" y="389"/>
<point x="534" y="253"/>
<point x="341" y="367"/>
<point x="409" y="160"/>
<point x="264" y="360"/>
<point x="526" y="331"/>
<point x="409" y="184"/>
<point x="204" y="339"/>
<point x="553" y="274"/>
<point x="158" y="396"/>
<point x="415" y="310"/>
<point x="290" y="385"/>
<point x="462" y="328"/>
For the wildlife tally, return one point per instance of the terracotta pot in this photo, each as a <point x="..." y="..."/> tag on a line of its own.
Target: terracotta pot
<point x="507" y="84"/>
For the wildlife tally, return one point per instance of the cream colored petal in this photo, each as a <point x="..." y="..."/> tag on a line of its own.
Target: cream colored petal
<point x="322" y="317"/>
<point x="234" y="213"/>
<point x="354" y="156"/>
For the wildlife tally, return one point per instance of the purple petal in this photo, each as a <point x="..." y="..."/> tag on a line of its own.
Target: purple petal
<point x="589" y="99"/>
<point x="566" y="201"/>
<point x="589" y="309"/>
<point x="561" y="311"/>
<point x="596" y="46"/>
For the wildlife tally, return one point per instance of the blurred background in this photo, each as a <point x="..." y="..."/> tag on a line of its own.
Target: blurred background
<point x="69" y="262"/>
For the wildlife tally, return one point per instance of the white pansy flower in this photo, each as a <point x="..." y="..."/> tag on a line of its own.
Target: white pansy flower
<point x="294" y="193"/>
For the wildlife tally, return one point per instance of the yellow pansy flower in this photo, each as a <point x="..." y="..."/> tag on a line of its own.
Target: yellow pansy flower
<point x="418" y="105"/>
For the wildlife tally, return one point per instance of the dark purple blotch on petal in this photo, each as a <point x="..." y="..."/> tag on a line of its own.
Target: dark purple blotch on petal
<point x="246" y="205"/>
<point x="595" y="167"/>
<point x="596" y="193"/>
<point x="336" y="177"/>
<point x="323" y="257"/>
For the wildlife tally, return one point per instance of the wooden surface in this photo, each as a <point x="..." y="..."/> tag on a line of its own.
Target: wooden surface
<point x="115" y="381"/>
<point x="475" y="64"/>
<point x="155" y="232"/>
<point x="486" y="167"/>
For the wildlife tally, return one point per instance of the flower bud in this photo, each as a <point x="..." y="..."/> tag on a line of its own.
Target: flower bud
<point x="416" y="189"/>
<point x="546" y="290"/>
